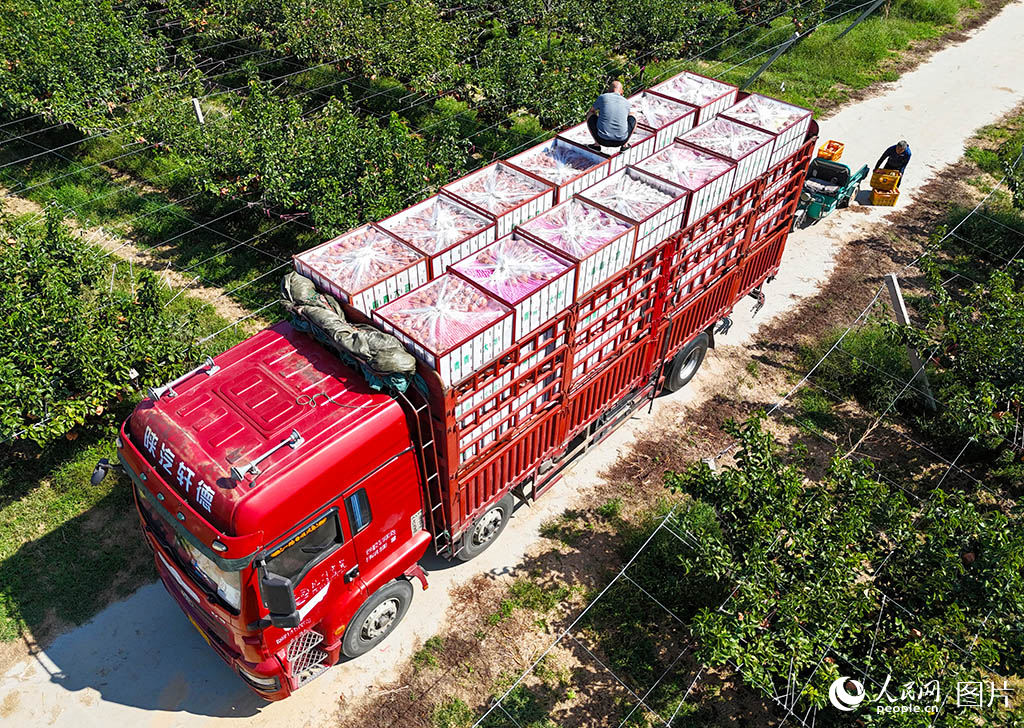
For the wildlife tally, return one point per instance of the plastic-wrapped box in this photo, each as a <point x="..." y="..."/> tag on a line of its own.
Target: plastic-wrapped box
<point x="749" y="148"/>
<point x="641" y="145"/>
<point x="450" y="325"/>
<point x="707" y="177"/>
<point x="525" y="276"/>
<point x="568" y="166"/>
<point x="709" y="95"/>
<point x="787" y="123"/>
<point x="668" y="118"/>
<point x="443" y="229"/>
<point x="657" y="207"/>
<point x="504" y="194"/>
<point x="599" y="241"/>
<point x="366" y="267"/>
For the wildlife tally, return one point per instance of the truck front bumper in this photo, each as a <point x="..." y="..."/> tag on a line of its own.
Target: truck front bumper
<point x="267" y="679"/>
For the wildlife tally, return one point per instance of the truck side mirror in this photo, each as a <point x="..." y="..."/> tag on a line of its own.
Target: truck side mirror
<point x="280" y="600"/>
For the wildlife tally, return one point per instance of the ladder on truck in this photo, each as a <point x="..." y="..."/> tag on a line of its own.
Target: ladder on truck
<point x="419" y="414"/>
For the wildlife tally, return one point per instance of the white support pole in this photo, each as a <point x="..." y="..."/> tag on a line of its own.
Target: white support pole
<point x="900" y="310"/>
<point x="199" y="111"/>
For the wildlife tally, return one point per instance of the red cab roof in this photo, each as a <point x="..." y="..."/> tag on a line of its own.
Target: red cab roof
<point x="266" y="388"/>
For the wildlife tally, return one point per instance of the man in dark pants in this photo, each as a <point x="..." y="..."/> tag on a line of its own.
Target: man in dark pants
<point x="895" y="157"/>
<point x="609" y="120"/>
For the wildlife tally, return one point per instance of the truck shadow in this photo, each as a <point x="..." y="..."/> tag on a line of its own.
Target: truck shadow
<point x="139" y="651"/>
<point x="142" y="653"/>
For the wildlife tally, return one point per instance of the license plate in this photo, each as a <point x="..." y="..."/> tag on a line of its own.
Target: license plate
<point x="199" y="630"/>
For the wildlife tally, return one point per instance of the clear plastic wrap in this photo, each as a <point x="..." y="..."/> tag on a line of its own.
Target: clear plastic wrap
<point x="655" y="111"/>
<point x="576" y="228"/>
<point x="443" y="313"/>
<point x="366" y="267"/>
<point x="694" y="89"/>
<point x="497" y="189"/>
<point x="767" y="113"/>
<point x="512" y="268"/>
<point x="728" y="138"/>
<point x="601" y="243"/>
<point x="657" y="206"/>
<point x="688" y="167"/>
<point x="556" y="161"/>
<point x="451" y="325"/>
<point x="360" y="258"/>
<point x="435" y="224"/>
<point x="525" y="276"/>
<point x="631" y="196"/>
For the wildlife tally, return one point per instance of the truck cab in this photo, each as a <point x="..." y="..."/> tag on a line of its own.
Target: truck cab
<point x="283" y="501"/>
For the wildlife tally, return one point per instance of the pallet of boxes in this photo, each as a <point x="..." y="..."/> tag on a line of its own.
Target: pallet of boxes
<point x="521" y="283"/>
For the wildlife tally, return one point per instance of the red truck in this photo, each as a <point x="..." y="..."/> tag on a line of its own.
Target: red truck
<point x="289" y="504"/>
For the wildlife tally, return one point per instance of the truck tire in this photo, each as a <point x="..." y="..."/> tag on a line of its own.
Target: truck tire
<point x="486" y="529"/>
<point x="377" y="618"/>
<point x="686" y="363"/>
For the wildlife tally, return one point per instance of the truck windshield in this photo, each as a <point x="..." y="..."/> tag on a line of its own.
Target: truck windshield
<point x="226" y="585"/>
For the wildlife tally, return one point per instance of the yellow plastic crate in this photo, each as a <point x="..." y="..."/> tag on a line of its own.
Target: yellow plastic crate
<point x="885" y="180"/>
<point x="884" y="198"/>
<point x="831" y="150"/>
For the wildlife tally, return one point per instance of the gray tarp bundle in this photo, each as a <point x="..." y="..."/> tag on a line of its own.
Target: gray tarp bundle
<point x="381" y="356"/>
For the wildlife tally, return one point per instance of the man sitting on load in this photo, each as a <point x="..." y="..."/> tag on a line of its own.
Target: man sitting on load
<point x="609" y="120"/>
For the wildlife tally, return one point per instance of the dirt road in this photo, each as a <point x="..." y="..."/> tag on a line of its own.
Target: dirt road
<point x="140" y="663"/>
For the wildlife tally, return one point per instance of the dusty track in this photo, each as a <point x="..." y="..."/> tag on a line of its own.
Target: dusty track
<point x="140" y="663"/>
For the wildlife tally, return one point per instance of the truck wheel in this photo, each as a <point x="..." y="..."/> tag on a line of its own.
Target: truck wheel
<point x="799" y="220"/>
<point x="377" y="618"/>
<point x="686" y="363"/>
<point x="486" y="529"/>
<point x="845" y="202"/>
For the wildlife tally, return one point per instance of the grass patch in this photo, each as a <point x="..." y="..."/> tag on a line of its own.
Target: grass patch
<point x="223" y="243"/>
<point x="531" y="595"/>
<point x="867" y="365"/>
<point x="426" y="656"/>
<point x="452" y="713"/>
<point x="611" y="509"/>
<point x="820" y="71"/>
<point x="816" y="411"/>
<point x="568" y="527"/>
<point x="66" y="547"/>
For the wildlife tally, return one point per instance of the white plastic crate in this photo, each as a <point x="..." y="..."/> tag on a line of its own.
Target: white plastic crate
<point x="749" y="148"/>
<point x="564" y="164"/>
<point x="641" y="144"/>
<point x="601" y="348"/>
<point x="657" y="207"/>
<point x="667" y="118"/>
<point x="786" y="122"/>
<point x="598" y="241"/>
<point x="709" y="268"/>
<point x="365" y="267"/>
<point x="707" y="177"/>
<point x="709" y="95"/>
<point x="443" y="229"/>
<point x="503" y="193"/>
<point x="450" y="325"/>
<point x="523" y="275"/>
<point x="531" y="356"/>
<point x="486" y="423"/>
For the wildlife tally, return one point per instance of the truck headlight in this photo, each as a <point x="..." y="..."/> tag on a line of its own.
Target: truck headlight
<point x="266" y="684"/>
